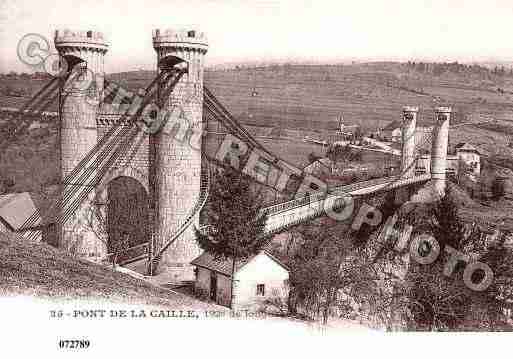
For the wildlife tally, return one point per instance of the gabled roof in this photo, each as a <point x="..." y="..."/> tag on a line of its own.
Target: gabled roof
<point x="220" y="265"/>
<point x="224" y="265"/>
<point x="466" y="147"/>
<point x="17" y="208"/>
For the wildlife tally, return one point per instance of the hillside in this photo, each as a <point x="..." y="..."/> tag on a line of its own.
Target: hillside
<point x="303" y="98"/>
<point x="29" y="268"/>
<point x="312" y="97"/>
<point x="370" y="94"/>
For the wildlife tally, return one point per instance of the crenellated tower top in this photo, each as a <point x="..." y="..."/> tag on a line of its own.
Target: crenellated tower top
<point x="443" y="109"/>
<point x="410" y="109"/>
<point x="180" y="39"/>
<point x="87" y="40"/>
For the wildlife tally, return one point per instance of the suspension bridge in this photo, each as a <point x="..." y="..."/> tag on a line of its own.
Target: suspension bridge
<point x="102" y="140"/>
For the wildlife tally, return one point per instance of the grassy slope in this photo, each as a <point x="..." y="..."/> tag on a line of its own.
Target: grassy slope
<point x="29" y="268"/>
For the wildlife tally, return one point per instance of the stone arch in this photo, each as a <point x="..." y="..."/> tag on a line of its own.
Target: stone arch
<point x="127" y="214"/>
<point x="135" y="174"/>
<point x="123" y="171"/>
<point x="169" y="61"/>
<point x="72" y="60"/>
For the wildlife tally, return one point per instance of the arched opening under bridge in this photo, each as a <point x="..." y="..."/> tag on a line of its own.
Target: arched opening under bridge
<point x="128" y="224"/>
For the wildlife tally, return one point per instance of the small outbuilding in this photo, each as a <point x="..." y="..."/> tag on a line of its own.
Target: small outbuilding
<point x="257" y="280"/>
<point x="28" y="212"/>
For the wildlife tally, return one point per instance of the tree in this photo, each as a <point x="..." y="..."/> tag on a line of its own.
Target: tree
<point x="356" y="156"/>
<point x="343" y="153"/>
<point x="6" y="184"/>
<point x="358" y="133"/>
<point x="498" y="188"/>
<point x="437" y="301"/>
<point x="447" y="226"/>
<point x="387" y="206"/>
<point x="497" y="300"/>
<point x="234" y="217"/>
<point x="312" y="157"/>
<point x="328" y="272"/>
<point x="316" y="274"/>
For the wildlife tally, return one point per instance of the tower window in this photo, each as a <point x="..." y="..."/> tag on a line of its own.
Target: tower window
<point x="191" y="33"/>
<point x="261" y="289"/>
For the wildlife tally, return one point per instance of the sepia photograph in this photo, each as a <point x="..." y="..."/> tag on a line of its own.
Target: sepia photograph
<point x="270" y="177"/>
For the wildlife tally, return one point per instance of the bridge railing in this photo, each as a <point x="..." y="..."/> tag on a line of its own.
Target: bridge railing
<point x="394" y="181"/>
<point x="315" y="209"/>
<point x="320" y="196"/>
<point x="130" y="254"/>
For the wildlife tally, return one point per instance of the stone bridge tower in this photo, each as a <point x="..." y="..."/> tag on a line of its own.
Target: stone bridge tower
<point x="178" y="148"/>
<point x="408" y="141"/>
<point x="439" y="150"/>
<point x="84" y="53"/>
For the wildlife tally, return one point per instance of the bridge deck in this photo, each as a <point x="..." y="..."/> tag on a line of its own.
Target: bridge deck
<point x="301" y="209"/>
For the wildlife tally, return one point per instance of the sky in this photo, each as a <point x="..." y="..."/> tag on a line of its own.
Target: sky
<point x="274" y="30"/>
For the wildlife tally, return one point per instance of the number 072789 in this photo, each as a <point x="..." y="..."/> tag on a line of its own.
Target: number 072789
<point x="74" y="344"/>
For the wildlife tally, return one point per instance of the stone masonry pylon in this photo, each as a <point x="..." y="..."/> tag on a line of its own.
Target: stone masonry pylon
<point x="178" y="148"/>
<point x="83" y="52"/>
<point x="439" y="149"/>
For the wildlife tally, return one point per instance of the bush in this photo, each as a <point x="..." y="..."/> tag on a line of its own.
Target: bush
<point x="498" y="188"/>
<point x="312" y="157"/>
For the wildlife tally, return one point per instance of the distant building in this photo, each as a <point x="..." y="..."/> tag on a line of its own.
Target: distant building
<point x="321" y="167"/>
<point x="344" y="132"/>
<point x="470" y="156"/>
<point x="391" y="132"/>
<point x="466" y="155"/>
<point x="333" y="172"/>
<point x="258" y="278"/>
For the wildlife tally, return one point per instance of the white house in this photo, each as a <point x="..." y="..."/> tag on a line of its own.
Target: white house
<point x="257" y="279"/>
<point x="321" y="167"/>
<point x="469" y="155"/>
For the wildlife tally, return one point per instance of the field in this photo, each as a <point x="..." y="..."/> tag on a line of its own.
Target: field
<point x="372" y="94"/>
<point x="294" y="100"/>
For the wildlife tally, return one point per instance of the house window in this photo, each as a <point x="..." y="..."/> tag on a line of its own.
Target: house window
<point x="260" y="289"/>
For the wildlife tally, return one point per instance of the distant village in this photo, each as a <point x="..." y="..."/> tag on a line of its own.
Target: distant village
<point x="463" y="159"/>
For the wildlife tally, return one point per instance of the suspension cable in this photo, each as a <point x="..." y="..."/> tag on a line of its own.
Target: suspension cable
<point x="108" y="148"/>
